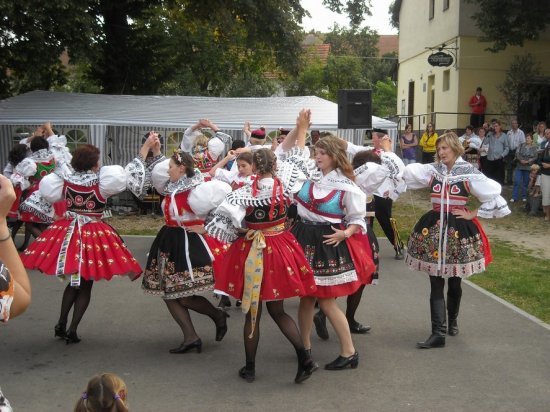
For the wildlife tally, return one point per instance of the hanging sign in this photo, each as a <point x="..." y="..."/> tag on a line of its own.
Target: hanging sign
<point x="440" y="59"/>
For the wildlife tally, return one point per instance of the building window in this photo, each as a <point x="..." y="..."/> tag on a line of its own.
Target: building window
<point x="21" y="132"/>
<point x="403" y="106"/>
<point x="446" y="80"/>
<point x="432" y="9"/>
<point x="445" y="5"/>
<point x="75" y="138"/>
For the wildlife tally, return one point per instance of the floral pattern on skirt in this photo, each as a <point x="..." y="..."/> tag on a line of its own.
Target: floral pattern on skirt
<point x="104" y="253"/>
<point x="167" y="273"/>
<point x="286" y="270"/>
<point x="465" y="252"/>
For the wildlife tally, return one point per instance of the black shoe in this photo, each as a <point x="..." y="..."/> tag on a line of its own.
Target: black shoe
<point x="434" y="341"/>
<point x="221" y="325"/>
<point x="320" y="321"/>
<point x="184" y="348"/>
<point x="356" y="327"/>
<point x="238" y="303"/>
<point x="306" y="367"/>
<point x="59" y="331"/>
<point x="247" y="374"/>
<point x="315" y="364"/>
<point x="72" y="337"/>
<point x="224" y="302"/>
<point x="399" y="254"/>
<point x="342" y="363"/>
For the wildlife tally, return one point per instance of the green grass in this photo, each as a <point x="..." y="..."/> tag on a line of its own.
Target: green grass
<point x="520" y="279"/>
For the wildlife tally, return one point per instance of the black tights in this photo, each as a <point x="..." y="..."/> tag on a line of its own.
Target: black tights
<point x="352" y="303"/>
<point x="285" y="323"/>
<point x="79" y="297"/>
<point x="179" y="309"/>
<point x="437" y="284"/>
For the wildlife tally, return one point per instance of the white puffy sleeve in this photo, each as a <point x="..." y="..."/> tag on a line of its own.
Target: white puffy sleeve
<point x="227" y="220"/>
<point x="369" y="176"/>
<point x="217" y="144"/>
<point x="354" y="204"/>
<point x="27" y="167"/>
<point x="294" y="151"/>
<point x="227" y="176"/>
<point x="51" y="187"/>
<point x="487" y="191"/>
<point x="207" y="196"/>
<point x="353" y="149"/>
<point x="159" y="175"/>
<point x="417" y="176"/>
<point x="189" y="137"/>
<point x="112" y="180"/>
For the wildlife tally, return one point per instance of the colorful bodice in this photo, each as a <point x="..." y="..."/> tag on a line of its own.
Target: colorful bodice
<point x="84" y="200"/>
<point x="204" y="161"/>
<point x="330" y="206"/>
<point x="186" y="215"/>
<point x="43" y="169"/>
<point x="257" y="217"/>
<point x="457" y="193"/>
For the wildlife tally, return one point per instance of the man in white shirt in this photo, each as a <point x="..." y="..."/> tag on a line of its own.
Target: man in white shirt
<point x="515" y="138"/>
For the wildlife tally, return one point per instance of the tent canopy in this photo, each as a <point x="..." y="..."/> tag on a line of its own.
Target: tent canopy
<point x="175" y="111"/>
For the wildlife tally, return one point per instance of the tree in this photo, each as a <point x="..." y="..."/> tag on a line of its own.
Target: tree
<point x="383" y="98"/>
<point x="520" y="88"/>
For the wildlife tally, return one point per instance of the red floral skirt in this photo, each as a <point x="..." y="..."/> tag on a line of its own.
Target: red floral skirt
<point x="104" y="254"/>
<point x="286" y="270"/>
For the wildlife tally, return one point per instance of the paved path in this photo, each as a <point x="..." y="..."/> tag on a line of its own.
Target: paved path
<point x="499" y="362"/>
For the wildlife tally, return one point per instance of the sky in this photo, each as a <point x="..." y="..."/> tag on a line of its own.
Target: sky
<point x="323" y="19"/>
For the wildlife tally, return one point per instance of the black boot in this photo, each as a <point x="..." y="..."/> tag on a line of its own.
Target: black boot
<point x="439" y="326"/>
<point x="453" y="306"/>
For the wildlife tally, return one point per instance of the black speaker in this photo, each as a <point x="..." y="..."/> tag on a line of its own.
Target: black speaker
<point x="355" y="109"/>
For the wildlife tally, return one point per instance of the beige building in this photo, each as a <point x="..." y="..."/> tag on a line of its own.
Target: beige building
<point x="430" y="93"/>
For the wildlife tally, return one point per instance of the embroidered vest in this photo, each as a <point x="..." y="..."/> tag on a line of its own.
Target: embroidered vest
<point x="204" y="161"/>
<point x="182" y="204"/>
<point x="257" y="217"/>
<point x="457" y="193"/>
<point x="84" y="200"/>
<point x="330" y="206"/>
<point x="43" y="169"/>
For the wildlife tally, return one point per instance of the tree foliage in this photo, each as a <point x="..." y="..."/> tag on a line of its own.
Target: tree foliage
<point x="511" y="22"/>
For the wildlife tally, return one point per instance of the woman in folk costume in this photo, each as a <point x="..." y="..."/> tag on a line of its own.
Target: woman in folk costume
<point x="371" y="171"/>
<point x="183" y="260"/>
<point x="332" y="210"/>
<point x="266" y="264"/>
<point x="448" y="242"/>
<point x="206" y="154"/>
<point x="79" y="244"/>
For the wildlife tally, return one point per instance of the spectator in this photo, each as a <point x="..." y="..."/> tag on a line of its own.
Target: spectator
<point x="105" y="392"/>
<point x="471" y="144"/>
<point x="544" y="164"/>
<point x="315" y="136"/>
<point x="483" y="148"/>
<point x="427" y="143"/>
<point x="497" y="142"/>
<point x="538" y="137"/>
<point x="478" y="105"/>
<point x="526" y="155"/>
<point x="15" y="287"/>
<point x="408" y="143"/>
<point x="535" y="197"/>
<point x="516" y="137"/>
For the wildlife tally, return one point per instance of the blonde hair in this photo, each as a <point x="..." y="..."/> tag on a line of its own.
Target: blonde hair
<point x="336" y="149"/>
<point x="200" y="141"/>
<point x="451" y="139"/>
<point x="105" y="392"/>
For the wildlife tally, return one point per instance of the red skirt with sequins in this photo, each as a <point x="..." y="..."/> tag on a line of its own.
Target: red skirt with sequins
<point x="104" y="254"/>
<point x="286" y="272"/>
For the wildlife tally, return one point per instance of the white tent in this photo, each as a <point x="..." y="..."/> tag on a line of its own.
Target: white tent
<point x="116" y="123"/>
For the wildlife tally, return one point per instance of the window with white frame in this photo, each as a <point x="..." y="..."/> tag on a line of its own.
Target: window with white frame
<point x="432" y="9"/>
<point x="76" y="137"/>
<point x="445" y="5"/>
<point x="446" y="80"/>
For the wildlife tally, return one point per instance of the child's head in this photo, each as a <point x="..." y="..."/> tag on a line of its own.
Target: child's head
<point x="201" y="144"/>
<point x="105" y="392"/>
<point x="244" y="164"/>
